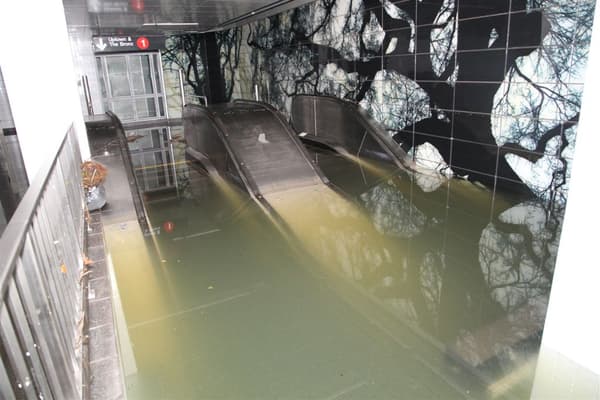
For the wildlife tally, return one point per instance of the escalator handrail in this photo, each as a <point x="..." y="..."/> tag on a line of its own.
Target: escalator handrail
<point x="388" y="144"/>
<point x="249" y="183"/>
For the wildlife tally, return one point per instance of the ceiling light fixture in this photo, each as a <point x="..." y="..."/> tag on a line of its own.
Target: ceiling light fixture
<point x="171" y="24"/>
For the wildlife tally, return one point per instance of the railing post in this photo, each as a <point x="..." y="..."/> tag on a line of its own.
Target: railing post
<point x="181" y="89"/>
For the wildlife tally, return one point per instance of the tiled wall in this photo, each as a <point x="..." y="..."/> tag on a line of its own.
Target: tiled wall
<point x="494" y="85"/>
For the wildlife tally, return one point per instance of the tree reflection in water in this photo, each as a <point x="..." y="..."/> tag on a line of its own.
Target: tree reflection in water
<point x="476" y="281"/>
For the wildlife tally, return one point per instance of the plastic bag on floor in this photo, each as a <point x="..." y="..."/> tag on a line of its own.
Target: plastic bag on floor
<point x="96" y="198"/>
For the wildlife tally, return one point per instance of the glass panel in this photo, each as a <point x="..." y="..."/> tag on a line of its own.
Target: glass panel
<point x="141" y="78"/>
<point x="147" y="75"/>
<point x="100" y="71"/>
<point x="133" y="76"/>
<point x="135" y="72"/>
<point x="124" y="109"/>
<point x="161" y="107"/>
<point x="117" y="75"/>
<point x="145" y="108"/>
<point x="156" y="62"/>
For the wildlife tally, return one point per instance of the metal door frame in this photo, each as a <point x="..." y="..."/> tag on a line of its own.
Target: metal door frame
<point x="155" y="65"/>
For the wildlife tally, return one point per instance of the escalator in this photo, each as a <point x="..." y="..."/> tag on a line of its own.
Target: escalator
<point x="344" y="127"/>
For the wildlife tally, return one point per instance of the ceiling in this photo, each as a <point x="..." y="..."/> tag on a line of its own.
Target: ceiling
<point x="175" y="16"/>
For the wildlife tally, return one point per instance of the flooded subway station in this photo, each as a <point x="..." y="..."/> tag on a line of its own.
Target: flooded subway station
<point x="384" y="282"/>
<point x="298" y="199"/>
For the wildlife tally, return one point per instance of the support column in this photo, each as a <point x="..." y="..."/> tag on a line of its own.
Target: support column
<point x="39" y="77"/>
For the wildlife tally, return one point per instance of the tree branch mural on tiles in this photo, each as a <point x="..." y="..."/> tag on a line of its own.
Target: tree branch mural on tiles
<point x="470" y="80"/>
<point x="186" y="52"/>
<point x="494" y="91"/>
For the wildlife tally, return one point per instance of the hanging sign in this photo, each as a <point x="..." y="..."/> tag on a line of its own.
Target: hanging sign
<point x="118" y="44"/>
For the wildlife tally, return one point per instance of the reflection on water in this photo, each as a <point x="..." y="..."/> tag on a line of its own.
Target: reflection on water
<point x="152" y="157"/>
<point x="393" y="286"/>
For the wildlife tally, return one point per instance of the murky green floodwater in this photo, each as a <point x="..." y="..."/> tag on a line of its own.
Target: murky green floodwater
<point x="403" y="287"/>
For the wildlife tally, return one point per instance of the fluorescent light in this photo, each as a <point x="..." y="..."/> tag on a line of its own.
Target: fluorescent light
<point x="191" y="24"/>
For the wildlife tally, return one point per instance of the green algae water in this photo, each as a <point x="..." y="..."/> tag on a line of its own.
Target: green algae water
<point x="387" y="285"/>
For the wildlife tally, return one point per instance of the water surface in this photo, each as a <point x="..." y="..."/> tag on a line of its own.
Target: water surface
<point x="386" y="285"/>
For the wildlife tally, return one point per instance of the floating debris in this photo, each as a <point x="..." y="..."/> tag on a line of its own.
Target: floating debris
<point x="134" y="137"/>
<point x="177" y="139"/>
<point x="87" y="261"/>
<point x="92" y="174"/>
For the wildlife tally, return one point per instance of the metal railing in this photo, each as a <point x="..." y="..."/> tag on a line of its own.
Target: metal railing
<point x="40" y="264"/>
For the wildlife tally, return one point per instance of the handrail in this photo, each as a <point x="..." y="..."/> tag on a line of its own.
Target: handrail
<point x="138" y="203"/>
<point x="247" y="181"/>
<point x="40" y="306"/>
<point x="13" y="237"/>
<point x="390" y="147"/>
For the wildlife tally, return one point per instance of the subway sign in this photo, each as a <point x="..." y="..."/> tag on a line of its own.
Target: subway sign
<point x="127" y="43"/>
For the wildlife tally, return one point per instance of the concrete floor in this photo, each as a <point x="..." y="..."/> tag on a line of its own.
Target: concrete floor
<point x="105" y="372"/>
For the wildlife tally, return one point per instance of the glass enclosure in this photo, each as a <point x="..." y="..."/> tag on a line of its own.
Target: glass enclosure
<point x="132" y="85"/>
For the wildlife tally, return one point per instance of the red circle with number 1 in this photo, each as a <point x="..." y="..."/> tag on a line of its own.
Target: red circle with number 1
<point x="142" y="43"/>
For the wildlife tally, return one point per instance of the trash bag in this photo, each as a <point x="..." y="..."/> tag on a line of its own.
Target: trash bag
<point x="96" y="197"/>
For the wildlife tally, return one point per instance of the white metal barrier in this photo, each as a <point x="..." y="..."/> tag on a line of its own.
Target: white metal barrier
<point x="40" y="263"/>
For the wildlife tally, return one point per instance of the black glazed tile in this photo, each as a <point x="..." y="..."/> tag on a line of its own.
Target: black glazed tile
<point x="474" y="34"/>
<point x="368" y="68"/>
<point x="482" y="65"/>
<point x="472" y="127"/>
<point x="439" y="125"/>
<point x="405" y="136"/>
<point x="475" y="97"/>
<point x="527" y="29"/>
<point x="480" y="8"/>
<point x="423" y="39"/>
<point x="469" y="157"/>
<point x="402" y="64"/>
<point x="440" y="93"/>
<point x="428" y="11"/>
<point x="372" y="5"/>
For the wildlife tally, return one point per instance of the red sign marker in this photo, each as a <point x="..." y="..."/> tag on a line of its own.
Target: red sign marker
<point x="142" y="43"/>
<point x="168" y="226"/>
<point x="137" y="6"/>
